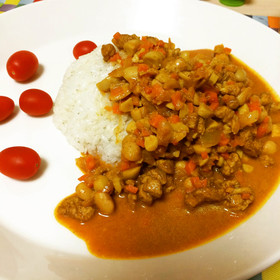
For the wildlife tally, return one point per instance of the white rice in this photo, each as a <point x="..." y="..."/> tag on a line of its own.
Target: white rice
<point x="79" y="109"/>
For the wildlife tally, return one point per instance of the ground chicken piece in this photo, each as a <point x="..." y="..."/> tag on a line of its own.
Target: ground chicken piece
<point x="225" y="149"/>
<point x="122" y="39"/>
<point x="201" y="126"/>
<point x="224" y="113"/>
<point x="204" y="195"/>
<point x="150" y="186"/>
<point x="153" y="187"/>
<point x="231" y="101"/>
<point x="231" y="165"/>
<point x="144" y="196"/>
<point x="108" y="51"/>
<point x="266" y="99"/>
<point x="238" y="199"/>
<point x="253" y="148"/>
<point x="72" y="207"/>
<point x="157" y="174"/>
<point x="247" y="134"/>
<point x="191" y="120"/>
<point x="166" y="165"/>
<point x="232" y="89"/>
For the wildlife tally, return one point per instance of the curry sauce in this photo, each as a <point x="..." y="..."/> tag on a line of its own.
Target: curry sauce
<point x="201" y="155"/>
<point x="166" y="227"/>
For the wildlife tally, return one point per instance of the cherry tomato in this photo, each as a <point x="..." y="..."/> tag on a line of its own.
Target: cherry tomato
<point x="22" y="65"/>
<point x="35" y="102"/>
<point x="83" y="47"/>
<point x="19" y="162"/>
<point x="7" y="106"/>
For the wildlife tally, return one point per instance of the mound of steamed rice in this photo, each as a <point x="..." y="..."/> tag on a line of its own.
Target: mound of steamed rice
<point x="79" y="109"/>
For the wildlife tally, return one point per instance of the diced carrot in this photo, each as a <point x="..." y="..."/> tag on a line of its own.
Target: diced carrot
<point x="117" y="35"/>
<point x="157" y="90"/>
<point x="227" y="50"/>
<point x="174" y="119"/>
<point x="116" y="108"/>
<point x="116" y="91"/>
<point x="199" y="183"/>
<point x="124" y="165"/>
<point x="204" y="155"/>
<point x="156" y="119"/>
<point x="142" y="67"/>
<point x="148" y="89"/>
<point x="211" y="96"/>
<point x="131" y="189"/>
<point x="212" y="99"/>
<point x="176" y="98"/>
<point x="83" y="177"/>
<point x="255" y="106"/>
<point x="190" y="107"/>
<point x="137" y="132"/>
<point x="115" y="57"/>
<point x="146" y="44"/>
<point x="90" y="162"/>
<point x="145" y="132"/>
<point x="190" y="166"/>
<point x="231" y="82"/>
<point x="224" y="140"/>
<point x="214" y="105"/>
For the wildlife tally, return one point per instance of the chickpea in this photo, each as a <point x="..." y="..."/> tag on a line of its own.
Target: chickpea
<point x="269" y="147"/>
<point x="185" y="55"/>
<point x="151" y="143"/>
<point x="131" y="127"/>
<point x="104" y="203"/>
<point x="131" y="173"/>
<point x="131" y="151"/>
<point x="136" y="114"/>
<point x="247" y="168"/>
<point x="129" y="138"/>
<point x="240" y="75"/>
<point x="101" y="182"/>
<point x="84" y="192"/>
<point x="180" y="164"/>
<point x="118" y="184"/>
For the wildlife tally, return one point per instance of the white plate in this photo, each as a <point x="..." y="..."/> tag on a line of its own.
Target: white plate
<point x="32" y="244"/>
